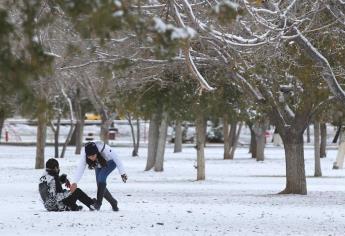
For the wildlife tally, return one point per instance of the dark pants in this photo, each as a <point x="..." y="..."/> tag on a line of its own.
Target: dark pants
<point x="78" y="194"/>
<point x="101" y="178"/>
<point x="102" y="173"/>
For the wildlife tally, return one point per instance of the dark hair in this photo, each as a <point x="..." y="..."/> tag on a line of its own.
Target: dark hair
<point x="52" y="166"/>
<point x="91" y="149"/>
<point x="52" y="163"/>
<point x="100" y="159"/>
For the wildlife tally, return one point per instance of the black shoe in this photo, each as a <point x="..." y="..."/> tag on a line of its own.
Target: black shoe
<point x="114" y="205"/>
<point x="111" y="200"/>
<point x="115" y="208"/>
<point x="92" y="206"/>
<point x="77" y="208"/>
<point x="96" y="206"/>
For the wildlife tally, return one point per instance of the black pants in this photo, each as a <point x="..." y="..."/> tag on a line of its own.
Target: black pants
<point x="78" y="194"/>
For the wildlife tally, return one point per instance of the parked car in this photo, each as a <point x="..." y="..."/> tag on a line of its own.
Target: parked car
<point x="215" y="135"/>
<point x="92" y="116"/>
<point x="188" y="134"/>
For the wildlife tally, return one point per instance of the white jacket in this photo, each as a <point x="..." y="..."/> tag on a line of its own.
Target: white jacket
<point x="107" y="153"/>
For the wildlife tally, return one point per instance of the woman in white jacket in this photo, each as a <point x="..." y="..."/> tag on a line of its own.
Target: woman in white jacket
<point x="99" y="156"/>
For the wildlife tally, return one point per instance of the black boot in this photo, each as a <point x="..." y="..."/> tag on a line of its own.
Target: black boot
<point x="100" y="194"/>
<point x="111" y="200"/>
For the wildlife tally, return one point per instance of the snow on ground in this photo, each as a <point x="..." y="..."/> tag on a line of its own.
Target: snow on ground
<point x="238" y="198"/>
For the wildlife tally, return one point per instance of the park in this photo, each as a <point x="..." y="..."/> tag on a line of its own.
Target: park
<point x="187" y="117"/>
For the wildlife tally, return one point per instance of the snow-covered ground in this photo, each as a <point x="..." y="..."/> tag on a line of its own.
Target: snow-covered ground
<point x="238" y="198"/>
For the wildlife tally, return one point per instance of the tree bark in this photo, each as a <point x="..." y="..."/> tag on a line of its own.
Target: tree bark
<point x="260" y="147"/>
<point x="41" y="140"/>
<point x="252" y="147"/>
<point x="235" y="141"/>
<point x="104" y="126"/>
<point x="259" y="129"/>
<point x="317" y="172"/>
<point x="129" y="118"/>
<point x="56" y="135"/>
<point x="152" y="140"/>
<point x="68" y="139"/>
<point x="2" y="121"/>
<point x="77" y="137"/>
<point x="227" y="145"/>
<point x="161" y="143"/>
<point x="231" y="140"/>
<point x="336" y="136"/>
<point x="294" y="159"/>
<point x="79" y="130"/>
<point x="178" y="137"/>
<point x="136" y="146"/>
<point x="323" y="129"/>
<point x="200" y="142"/>
<point x="308" y="134"/>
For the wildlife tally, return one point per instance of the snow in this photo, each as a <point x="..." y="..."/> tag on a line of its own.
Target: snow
<point x="238" y="197"/>
<point x="118" y="13"/>
<point x="52" y="54"/>
<point x="177" y="33"/>
<point x="230" y="4"/>
<point x="35" y="39"/>
<point x="117" y="3"/>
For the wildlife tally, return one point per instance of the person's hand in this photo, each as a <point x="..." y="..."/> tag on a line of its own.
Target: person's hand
<point x="124" y="178"/>
<point x="73" y="187"/>
<point x="63" y="178"/>
<point x="68" y="184"/>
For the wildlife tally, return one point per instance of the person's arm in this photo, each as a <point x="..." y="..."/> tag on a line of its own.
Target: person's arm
<point x="52" y="190"/>
<point x="112" y="155"/>
<point x="78" y="172"/>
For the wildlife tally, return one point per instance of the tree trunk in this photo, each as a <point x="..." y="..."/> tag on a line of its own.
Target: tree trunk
<point x="259" y="129"/>
<point x="77" y="137"/>
<point x="323" y="144"/>
<point x="226" y="130"/>
<point x="228" y="146"/>
<point x="294" y="159"/>
<point x="68" y="139"/>
<point x="308" y="134"/>
<point x="317" y="172"/>
<point x="153" y="140"/>
<point x="200" y="142"/>
<point x="2" y="121"/>
<point x="336" y="136"/>
<point x="136" y="146"/>
<point x="56" y="135"/>
<point x="252" y="147"/>
<point x="104" y="131"/>
<point x="260" y="147"/>
<point x="178" y="137"/>
<point x="129" y="118"/>
<point x="105" y="126"/>
<point x="79" y="130"/>
<point x="235" y="141"/>
<point x="41" y="140"/>
<point x="162" y="137"/>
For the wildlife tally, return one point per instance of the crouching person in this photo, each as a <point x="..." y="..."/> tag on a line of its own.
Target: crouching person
<point x="54" y="197"/>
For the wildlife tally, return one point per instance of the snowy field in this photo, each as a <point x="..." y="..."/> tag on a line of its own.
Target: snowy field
<point x="238" y="198"/>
